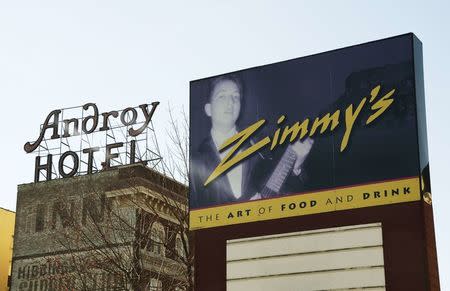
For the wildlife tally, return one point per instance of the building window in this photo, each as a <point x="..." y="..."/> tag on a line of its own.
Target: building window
<point x="155" y="285"/>
<point x="40" y="217"/>
<point x="28" y="214"/>
<point x="157" y="239"/>
<point x="179" y="247"/>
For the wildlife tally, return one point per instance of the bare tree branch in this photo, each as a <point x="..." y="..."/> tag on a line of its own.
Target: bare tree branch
<point x="132" y="234"/>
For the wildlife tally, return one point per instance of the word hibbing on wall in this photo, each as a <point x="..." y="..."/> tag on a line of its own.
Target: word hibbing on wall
<point x="131" y="121"/>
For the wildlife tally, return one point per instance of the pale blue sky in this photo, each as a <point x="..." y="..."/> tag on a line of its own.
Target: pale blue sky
<point x="56" y="54"/>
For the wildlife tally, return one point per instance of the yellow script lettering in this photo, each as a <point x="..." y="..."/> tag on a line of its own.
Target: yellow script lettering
<point x="381" y="106"/>
<point x="229" y="161"/>
<point x="350" y="118"/>
<point x="325" y="122"/>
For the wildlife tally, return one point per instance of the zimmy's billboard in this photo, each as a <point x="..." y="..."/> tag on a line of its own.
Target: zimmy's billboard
<point x="339" y="130"/>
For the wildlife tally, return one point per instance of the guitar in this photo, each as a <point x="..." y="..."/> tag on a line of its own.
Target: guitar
<point x="294" y="153"/>
<point x="279" y="174"/>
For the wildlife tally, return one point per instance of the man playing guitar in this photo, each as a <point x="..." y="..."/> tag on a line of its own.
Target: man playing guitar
<point x="238" y="184"/>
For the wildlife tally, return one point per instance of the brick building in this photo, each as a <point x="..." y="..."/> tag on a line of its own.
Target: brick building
<point x="120" y="229"/>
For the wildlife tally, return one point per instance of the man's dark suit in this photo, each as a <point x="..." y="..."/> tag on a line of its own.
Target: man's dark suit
<point x="203" y="163"/>
<point x="255" y="173"/>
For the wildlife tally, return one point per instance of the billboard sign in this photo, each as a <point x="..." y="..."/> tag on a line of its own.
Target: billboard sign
<point x="338" y="130"/>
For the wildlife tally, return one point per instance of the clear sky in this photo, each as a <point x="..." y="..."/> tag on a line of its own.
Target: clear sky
<point x="56" y="54"/>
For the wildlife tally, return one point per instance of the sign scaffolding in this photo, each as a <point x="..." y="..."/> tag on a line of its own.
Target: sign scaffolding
<point x="105" y="140"/>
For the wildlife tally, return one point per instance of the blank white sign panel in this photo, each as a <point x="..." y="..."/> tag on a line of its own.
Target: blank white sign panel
<point x="341" y="258"/>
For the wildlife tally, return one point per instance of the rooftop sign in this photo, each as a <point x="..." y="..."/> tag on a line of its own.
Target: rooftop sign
<point x="120" y="137"/>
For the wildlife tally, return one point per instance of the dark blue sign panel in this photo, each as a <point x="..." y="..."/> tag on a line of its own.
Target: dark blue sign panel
<point x="333" y="131"/>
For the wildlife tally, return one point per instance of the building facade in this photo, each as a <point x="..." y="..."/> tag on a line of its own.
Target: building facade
<point x="119" y="229"/>
<point x="6" y="245"/>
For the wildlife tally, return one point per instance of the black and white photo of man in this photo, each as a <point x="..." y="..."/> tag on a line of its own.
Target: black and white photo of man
<point x="248" y="180"/>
